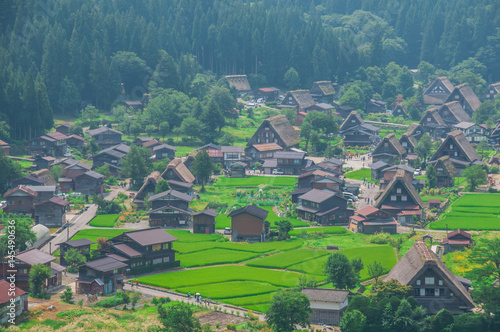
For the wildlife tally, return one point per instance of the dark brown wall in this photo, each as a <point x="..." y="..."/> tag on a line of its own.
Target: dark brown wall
<point x="247" y="224"/>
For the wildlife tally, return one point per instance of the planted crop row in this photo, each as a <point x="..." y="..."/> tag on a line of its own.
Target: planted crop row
<point x="215" y="257"/>
<point x="286" y="259"/>
<point x="228" y="290"/>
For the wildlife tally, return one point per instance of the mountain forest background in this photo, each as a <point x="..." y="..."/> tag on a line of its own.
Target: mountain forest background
<point x="54" y="54"/>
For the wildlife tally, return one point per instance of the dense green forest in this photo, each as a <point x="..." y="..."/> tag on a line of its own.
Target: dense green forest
<point x="55" y="54"/>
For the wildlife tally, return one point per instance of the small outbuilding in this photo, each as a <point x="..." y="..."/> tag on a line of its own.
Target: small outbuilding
<point x="249" y="224"/>
<point x="328" y="305"/>
<point x="457" y="240"/>
<point x="204" y="222"/>
<point x="238" y="169"/>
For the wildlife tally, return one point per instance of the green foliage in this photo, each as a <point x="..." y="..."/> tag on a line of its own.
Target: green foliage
<point x="104" y="170"/>
<point x="38" y="274"/>
<point x="10" y="170"/>
<point x="67" y="295"/>
<point x="430" y="176"/>
<point x="56" y="172"/>
<point x="137" y="164"/>
<point x="353" y="97"/>
<point x="203" y="167"/>
<point x="177" y="316"/>
<point x="392" y="288"/>
<point x="352" y="321"/>
<point x="475" y="175"/>
<point x="376" y="270"/>
<point x="106" y="207"/>
<point x="104" y="220"/>
<point x="23" y="232"/>
<point x="340" y="272"/>
<point x="424" y="146"/>
<point x="292" y="79"/>
<point x="74" y="258"/>
<point x="287" y="309"/>
<point x="284" y="228"/>
<point x="162" y="186"/>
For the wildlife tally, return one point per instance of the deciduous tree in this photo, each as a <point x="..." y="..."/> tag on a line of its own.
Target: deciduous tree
<point x="340" y="272"/>
<point x="178" y="316"/>
<point x="288" y="309"/>
<point x="475" y="175"/>
<point x="203" y="167"/>
<point x="38" y="274"/>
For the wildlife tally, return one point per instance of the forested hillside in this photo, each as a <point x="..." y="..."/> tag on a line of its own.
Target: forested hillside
<point x="54" y="54"/>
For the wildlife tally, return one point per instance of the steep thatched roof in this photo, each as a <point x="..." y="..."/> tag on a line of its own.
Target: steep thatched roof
<point x="461" y="141"/>
<point x="392" y="141"/>
<point x="399" y="178"/>
<point x="456" y="110"/>
<point x="324" y="88"/>
<point x="447" y="165"/>
<point x="178" y="167"/>
<point x="354" y="115"/>
<point x="411" y="129"/>
<point x="240" y="82"/>
<point x="302" y="97"/>
<point x="434" y="114"/>
<point x="410" y="139"/>
<point x="468" y="94"/>
<point x="444" y="82"/>
<point x="284" y="129"/>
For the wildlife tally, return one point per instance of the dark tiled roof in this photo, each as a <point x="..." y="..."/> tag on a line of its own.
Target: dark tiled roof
<point x="172" y="192"/>
<point x="125" y="249"/>
<point x="180" y="184"/>
<point x="232" y="149"/>
<point x="379" y="165"/>
<point x="164" y="146"/>
<point x="21" y="188"/>
<point x="150" y="236"/>
<point x="207" y="212"/>
<point x="105" y="264"/>
<point x="325" y="295"/>
<point x="78" y="243"/>
<point x="34" y="256"/>
<point x="334" y="161"/>
<point x="459" y="231"/>
<point x="91" y="174"/>
<point x="251" y="209"/>
<point x="54" y="200"/>
<point x="118" y="257"/>
<point x="316" y="195"/>
<point x="103" y="130"/>
<point x="289" y="155"/>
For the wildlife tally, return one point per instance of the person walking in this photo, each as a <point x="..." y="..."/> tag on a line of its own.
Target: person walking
<point x="137" y="283"/>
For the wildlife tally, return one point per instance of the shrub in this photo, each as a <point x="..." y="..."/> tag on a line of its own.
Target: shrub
<point x="231" y="326"/>
<point x="494" y="169"/>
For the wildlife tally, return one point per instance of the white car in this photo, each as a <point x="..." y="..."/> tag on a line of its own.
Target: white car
<point x="260" y="100"/>
<point x="251" y="105"/>
<point x="416" y="172"/>
<point x="277" y="172"/>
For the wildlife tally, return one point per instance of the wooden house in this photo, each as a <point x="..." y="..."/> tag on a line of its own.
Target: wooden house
<point x="268" y="94"/>
<point x="377" y="169"/>
<point x="310" y="179"/>
<point x="475" y="133"/>
<point x="63" y="128"/>
<point x="390" y="172"/>
<point x="45" y="176"/>
<point x="445" y="171"/>
<point x="237" y="170"/>
<point x="400" y="199"/>
<point x="20" y="200"/>
<point x="13" y="302"/>
<point x="75" y="168"/>
<point x="65" y="185"/>
<point x="376" y="106"/>
<point x="147" y="189"/>
<point x="101" y="276"/>
<point x="204" y="222"/>
<point x="259" y="152"/>
<point x="322" y="92"/>
<point x="29" y="180"/>
<point x="438" y="91"/>
<point x="287" y="163"/>
<point x="324" y="207"/>
<point x="240" y="83"/>
<point x="433" y="124"/>
<point x="249" y="224"/>
<point x="183" y="187"/>
<point x="42" y="162"/>
<point x="177" y="171"/>
<point x="89" y="183"/>
<point x="466" y="97"/>
<point x="76" y="142"/>
<point x="163" y="151"/>
<point x="452" y="113"/>
<point x="356" y="132"/>
<point x="51" y="212"/>
<point x="231" y="154"/>
<point x="214" y="152"/>
<point x="276" y="129"/>
<point x="152" y="144"/>
<point x="492" y="91"/>
<point x="106" y="137"/>
<point x="43" y="192"/>
<point x="460" y="151"/>
<point x="408" y="142"/>
<point x="400" y="110"/>
<point x="327" y="305"/>
<point x="435" y="287"/>
<point x="457" y="240"/>
<point x="415" y="130"/>
<point x="47" y="146"/>
<point x="389" y="150"/>
<point x="370" y="220"/>
<point x="494" y="160"/>
<point x="139" y="141"/>
<point x="5" y="147"/>
<point x="145" y="249"/>
<point x="299" y="100"/>
<point x="133" y="105"/>
<point x="111" y="156"/>
<point x="81" y="245"/>
<point x="169" y="208"/>
<point x="24" y="260"/>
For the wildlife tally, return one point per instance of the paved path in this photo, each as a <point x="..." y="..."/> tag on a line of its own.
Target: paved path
<point x="367" y="194"/>
<point x="358" y="162"/>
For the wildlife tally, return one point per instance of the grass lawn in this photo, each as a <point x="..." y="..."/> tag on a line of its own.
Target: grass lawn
<point x="182" y="151"/>
<point x="254" y="181"/>
<point x="360" y="174"/>
<point x="94" y="234"/>
<point x="250" y="300"/>
<point x="427" y="198"/>
<point x="471" y="212"/>
<point x="383" y="254"/>
<point x="187" y="236"/>
<point x="104" y="220"/>
<point x="233" y="289"/>
<point x="224" y="221"/>
<point x="214" y="257"/>
<point x="286" y="259"/>
<point x="324" y="230"/>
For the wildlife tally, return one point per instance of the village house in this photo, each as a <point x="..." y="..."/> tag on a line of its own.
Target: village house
<point x="237" y="170"/>
<point x="101" y="276"/>
<point x="63" y="128"/>
<point x="492" y="91"/>
<point x="133" y="105"/>
<point x="240" y="83"/>
<point x="249" y="224"/>
<point x="43" y="162"/>
<point x="163" y="151"/>
<point x="323" y="92"/>
<point x="111" y="156"/>
<point x="457" y="240"/>
<point x="51" y="212"/>
<point x="377" y="168"/>
<point x="65" y="185"/>
<point x="24" y="260"/>
<point x="169" y="208"/>
<point x="495" y="133"/>
<point x="319" y="179"/>
<point x="10" y="295"/>
<point x="408" y="142"/>
<point x="276" y="129"/>
<point x="45" y="176"/>
<point x="466" y="97"/>
<point x="144" y="250"/>
<point x="415" y="130"/>
<point x="376" y="106"/>
<point x="320" y="107"/>
<point x="106" y="137"/>
<point x="20" y="200"/>
<point x="475" y="133"/>
<point x="81" y="245"/>
<point x="183" y="187"/>
<point x="43" y="192"/>
<point x="76" y="142"/>
<point x="177" y="171"/>
<point x="147" y="189"/>
<point x="433" y="124"/>
<point x="356" y="132"/>
<point x="74" y="168"/>
<point x="324" y="207"/>
<point x="299" y="100"/>
<point x="204" y="222"/>
<point x="327" y="305"/>
<point x="29" y="180"/>
<point x="400" y="110"/>
<point x="435" y="287"/>
<point x="259" y="152"/>
<point x="445" y="172"/>
<point x="370" y="220"/>
<point x="287" y="163"/>
<point x="438" y="91"/>
<point x="5" y="147"/>
<point x="460" y="151"/>
<point x="494" y="160"/>
<point x="390" y="172"/>
<point x="48" y="146"/>
<point x="89" y="183"/>
<point x="268" y="94"/>
<point x="231" y="154"/>
<point x="452" y="113"/>
<point x="151" y="144"/>
<point x="214" y="152"/>
<point x="389" y="150"/>
<point x="139" y="141"/>
<point x="400" y="199"/>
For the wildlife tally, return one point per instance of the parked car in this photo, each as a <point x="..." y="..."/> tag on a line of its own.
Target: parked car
<point x="348" y="195"/>
<point x="277" y="172"/>
<point x="260" y="100"/>
<point x="227" y="231"/>
<point x="250" y="105"/>
<point x="416" y="172"/>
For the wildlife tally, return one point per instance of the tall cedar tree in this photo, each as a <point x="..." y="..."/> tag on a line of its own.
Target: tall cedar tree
<point x="137" y="164"/>
<point x="203" y="167"/>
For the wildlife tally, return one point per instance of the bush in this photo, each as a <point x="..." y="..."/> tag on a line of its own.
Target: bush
<point x="494" y="169"/>
<point x="231" y="326"/>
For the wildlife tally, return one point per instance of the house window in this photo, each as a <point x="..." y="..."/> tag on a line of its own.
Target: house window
<point x="20" y="202"/>
<point x="156" y="247"/>
<point x="10" y="202"/>
<point x="296" y="161"/>
<point x="422" y="291"/>
<point x="457" y="97"/>
<point x="393" y="198"/>
<point x="404" y="144"/>
<point x="436" y="291"/>
<point x="428" y="119"/>
<point x="353" y="121"/>
<point x="429" y="280"/>
<point x="456" y="154"/>
<point x="418" y="282"/>
<point x="386" y="144"/>
<point x="451" y="146"/>
<point x="398" y="191"/>
<point x="404" y="198"/>
<point x="440" y="282"/>
<point x="451" y="294"/>
<point x="115" y="271"/>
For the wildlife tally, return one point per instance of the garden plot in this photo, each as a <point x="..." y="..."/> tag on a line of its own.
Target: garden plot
<point x="215" y="257"/>
<point x="232" y="289"/>
<point x="104" y="220"/>
<point x="286" y="259"/>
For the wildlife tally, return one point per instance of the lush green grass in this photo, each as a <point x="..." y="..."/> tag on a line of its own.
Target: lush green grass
<point x="224" y="221"/>
<point x="187" y="236"/>
<point x="286" y="259"/>
<point x="324" y="230"/>
<point x="383" y="254"/>
<point x="104" y="220"/>
<point x="472" y="212"/>
<point x="182" y="151"/>
<point x="261" y="247"/>
<point x="360" y="174"/>
<point x="214" y="257"/>
<point x="427" y="198"/>
<point x="254" y="181"/>
<point x="250" y="300"/>
<point x="221" y="274"/>
<point x="228" y="290"/>
<point x="94" y="234"/>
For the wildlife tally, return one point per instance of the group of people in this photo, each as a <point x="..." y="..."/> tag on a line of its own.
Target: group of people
<point x="199" y="299"/>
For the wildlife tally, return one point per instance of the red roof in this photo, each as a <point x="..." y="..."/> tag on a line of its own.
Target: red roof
<point x="367" y="210"/>
<point x="22" y="188"/>
<point x="358" y="218"/>
<point x="55" y="200"/>
<point x="4" y="292"/>
<point x="458" y="231"/>
<point x="212" y="153"/>
<point x="452" y="241"/>
<point x="434" y="201"/>
<point x="57" y="135"/>
<point x="77" y="137"/>
<point x="268" y="89"/>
